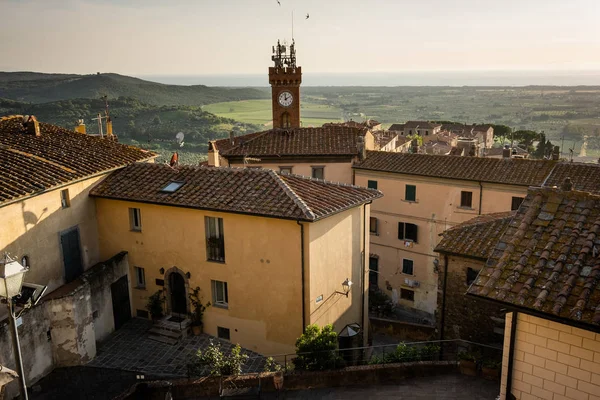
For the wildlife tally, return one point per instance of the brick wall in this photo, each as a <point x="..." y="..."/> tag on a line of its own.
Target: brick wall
<point x="466" y="318"/>
<point x="552" y="361"/>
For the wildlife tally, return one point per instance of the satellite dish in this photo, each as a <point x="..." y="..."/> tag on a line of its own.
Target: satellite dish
<point x="179" y="137"/>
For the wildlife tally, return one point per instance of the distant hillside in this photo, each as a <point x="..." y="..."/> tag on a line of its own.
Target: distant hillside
<point x="42" y="88"/>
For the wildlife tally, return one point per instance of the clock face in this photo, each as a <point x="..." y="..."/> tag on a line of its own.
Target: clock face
<point x="285" y="99"/>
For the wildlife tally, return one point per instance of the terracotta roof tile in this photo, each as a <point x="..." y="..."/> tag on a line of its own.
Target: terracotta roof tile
<point x="396" y="127"/>
<point x="585" y="177"/>
<point x="241" y="190"/>
<point x="475" y="238"/>
<point x="329" y="140"/>
<point x="30" y="163"/>
<point x="548" y="259"/>
<point x="507" y="171"/>
<point x="421" y="125"/>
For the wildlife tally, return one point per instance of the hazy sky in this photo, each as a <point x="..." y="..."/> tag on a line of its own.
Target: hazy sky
<point x="140" y="37"/>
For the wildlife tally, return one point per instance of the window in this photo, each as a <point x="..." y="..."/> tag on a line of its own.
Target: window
<point x="410" y="193"/>
<point x="426" y="133"/>
<point x="471" y="275"/>
<point x="516" y="203"/>
<point x="373" y="271"/>
<point x="215" y="241"/>
<point x="140" y="278"/>
<point x="223" y="333"/>
<point x="172" y="187"/>
<point x="318" y="172"/>
<point x="466" y="199"/>
<point x="406" y="294"/>
<point x="219" y="294"/>
<point x="407" y="231"/>
<point x="65" y="201"/>
<point x="285" y="170"/>
<point x="135" y="219"/>
<point x="372" y="184"/>
<point x="373" y="225"/>
<point x="285" y="120"/>
<point x="407" y="267"/>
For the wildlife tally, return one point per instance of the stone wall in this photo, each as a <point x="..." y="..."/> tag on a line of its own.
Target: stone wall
<point x="351" y="376"/>
<point x="465" y="317"/>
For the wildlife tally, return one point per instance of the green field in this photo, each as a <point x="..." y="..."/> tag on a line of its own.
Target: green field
<point x="258" y="112"/>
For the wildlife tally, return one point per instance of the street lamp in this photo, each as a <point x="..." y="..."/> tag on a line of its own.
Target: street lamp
<point x="346" y="287"/>
<point x="11" y="281"/>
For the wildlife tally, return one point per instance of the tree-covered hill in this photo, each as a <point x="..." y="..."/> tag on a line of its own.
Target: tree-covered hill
<point x="42" y="88"/>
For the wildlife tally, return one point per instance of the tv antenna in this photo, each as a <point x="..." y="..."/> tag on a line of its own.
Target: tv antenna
<point x="571" y="150"/>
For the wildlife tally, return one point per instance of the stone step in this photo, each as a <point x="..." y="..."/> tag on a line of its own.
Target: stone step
<point x="165" y="332"/>
<point x="163" y="339"/>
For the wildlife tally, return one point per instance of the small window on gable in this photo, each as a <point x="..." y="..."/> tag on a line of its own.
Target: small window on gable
<point x="516" y="203"/>
<point x="172" y="187"/>
<point x="65" y="200"/>
<point x="466" y="199"/>
<point x="285" y="170"/>
<point x="372" y="184"/>
<point x="471" y="275"/>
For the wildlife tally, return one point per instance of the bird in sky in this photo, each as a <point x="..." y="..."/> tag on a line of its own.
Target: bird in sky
<point x="278" y="2"/>
<point x="307" y="16"/>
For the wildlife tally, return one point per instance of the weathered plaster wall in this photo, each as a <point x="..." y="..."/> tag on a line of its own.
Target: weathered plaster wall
<point x="333" y="171"/>
<point x="465" y="317"/>
<point x="36" y="350"/>
<point x="72" y="329"/>
<point x="32" y="227"/>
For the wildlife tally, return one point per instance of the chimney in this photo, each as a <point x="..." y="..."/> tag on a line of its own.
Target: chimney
<point x="231" y="137"/>
<point x="32" y="126"/>
<point x="174" y="160"/>
<point x="472" y="151"/>
<point x="556" y="153"/>
<point x="80" y="128"/>
<point x="567" y="185"/>
<point x="506" y="152"/>
<point x="109" y="128"/>
<point x="360" y="146"/>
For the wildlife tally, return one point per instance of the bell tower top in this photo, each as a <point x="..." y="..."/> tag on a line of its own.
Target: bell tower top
<point x="285" y="78"/>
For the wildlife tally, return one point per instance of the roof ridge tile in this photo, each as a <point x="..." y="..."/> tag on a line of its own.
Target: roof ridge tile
<point x="290" y="192"/>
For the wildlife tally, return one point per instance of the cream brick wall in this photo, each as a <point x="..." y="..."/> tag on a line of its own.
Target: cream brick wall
<point x="552" y="361"/>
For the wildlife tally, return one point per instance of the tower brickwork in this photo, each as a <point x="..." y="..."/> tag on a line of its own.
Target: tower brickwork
<point x="285" y="79"/>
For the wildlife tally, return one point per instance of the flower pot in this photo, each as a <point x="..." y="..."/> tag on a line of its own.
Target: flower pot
<point x="197" y="330"/>
<point x="491" y="374"/>
<point x="467" y="367"/>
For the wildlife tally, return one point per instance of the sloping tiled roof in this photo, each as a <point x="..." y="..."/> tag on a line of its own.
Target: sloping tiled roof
<point x="327" y="140"/>
<point x="421" y="124"/>
<point x="548" y="259"/>
<point x="240" y="190"/>
<point x="31" y="164"/>
<point x="396" y="127"/>
<point x="585" y="177"/>
<point x="507" y="171"/>
<point x="475" y="238"/>
<point x="225" y="144"/>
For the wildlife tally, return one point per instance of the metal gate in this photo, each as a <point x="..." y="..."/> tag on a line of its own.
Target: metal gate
<point x="71" y="251"/>
<point x="120" y="301"/>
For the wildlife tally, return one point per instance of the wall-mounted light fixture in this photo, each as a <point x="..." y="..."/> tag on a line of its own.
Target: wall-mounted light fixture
<point x="188" y="274"/>
<point x="346" y="287"/>
<point x="162" y="271"/>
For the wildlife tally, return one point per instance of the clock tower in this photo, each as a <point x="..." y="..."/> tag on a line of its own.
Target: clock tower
<point x="285" y="79"/>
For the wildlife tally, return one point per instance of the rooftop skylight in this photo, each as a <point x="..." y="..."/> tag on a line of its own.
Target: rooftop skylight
<point x="172" y="187"/>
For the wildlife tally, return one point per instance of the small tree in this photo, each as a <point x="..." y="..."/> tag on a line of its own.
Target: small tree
<point x="220" y="364"/>
<point x="317" y="348"/>
<point x="197" y="314"/>
<point x="155" y="305"/>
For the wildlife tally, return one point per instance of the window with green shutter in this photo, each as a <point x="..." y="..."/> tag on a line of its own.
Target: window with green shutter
<point x="411" y="193"/>
<point x="372" y="184"/>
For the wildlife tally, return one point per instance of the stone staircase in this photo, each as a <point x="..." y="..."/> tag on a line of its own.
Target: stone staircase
<point x="169" y="330"/>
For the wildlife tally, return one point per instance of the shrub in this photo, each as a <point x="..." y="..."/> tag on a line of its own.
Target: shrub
<point x="219" y="363"/>
<point x="155" y="305"/>
<point x="271" y="365"/>
<point x="317" y="349"/>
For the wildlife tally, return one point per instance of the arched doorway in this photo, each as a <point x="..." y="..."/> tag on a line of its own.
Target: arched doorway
<point x="177" y="293"/>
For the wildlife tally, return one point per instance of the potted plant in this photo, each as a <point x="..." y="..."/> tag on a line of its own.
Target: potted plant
<point x="491" y="369"/>
<point x="155" y="305"/>
<point x="198" y="309"/>
<point x="467" y="363"/>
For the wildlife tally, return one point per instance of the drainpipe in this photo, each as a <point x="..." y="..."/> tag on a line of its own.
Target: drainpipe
<point x="480" y="196"/>
<point x="302" y="269"/>
<point x="364" y="262"/>
<point x="443" y="316"/>
<point x="511" y="356"/>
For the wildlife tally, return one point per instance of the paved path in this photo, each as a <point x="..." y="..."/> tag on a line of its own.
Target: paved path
<point x="444" y="387"/>
<point x="130" y="349"/>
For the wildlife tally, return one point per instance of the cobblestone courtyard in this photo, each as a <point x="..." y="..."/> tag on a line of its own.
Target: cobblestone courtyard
<point x="130" y="349"/>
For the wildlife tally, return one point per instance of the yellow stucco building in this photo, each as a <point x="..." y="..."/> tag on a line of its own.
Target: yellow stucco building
<point x="424" y="196"/>
<point x="270" y="251"/>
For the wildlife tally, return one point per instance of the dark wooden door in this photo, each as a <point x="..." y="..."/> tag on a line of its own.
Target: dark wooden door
<point x="178" y="300"/>
<point x="120" y="301"/>
<point x="71" y="254"/>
